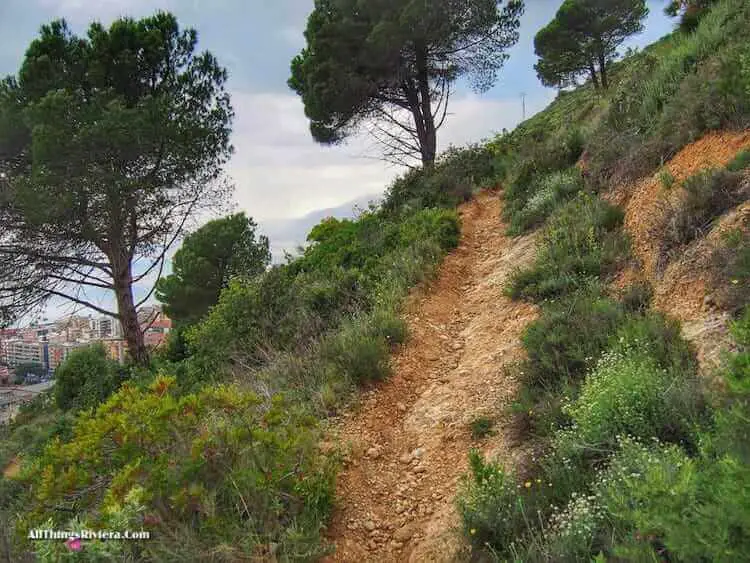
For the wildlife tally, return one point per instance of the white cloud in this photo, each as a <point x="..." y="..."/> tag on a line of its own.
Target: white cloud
<point x="280" y="171"/>
<point x="293" y="35"/>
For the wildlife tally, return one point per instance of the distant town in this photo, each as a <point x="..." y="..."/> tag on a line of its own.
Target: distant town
<point x="29" y="356"/>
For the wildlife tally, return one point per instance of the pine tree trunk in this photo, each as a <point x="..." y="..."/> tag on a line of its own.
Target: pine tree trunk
<point x="594" y="78"/>
<point x="428" y="138"/>
<point x="131" y="328"/>
<point x="603" y="70"/>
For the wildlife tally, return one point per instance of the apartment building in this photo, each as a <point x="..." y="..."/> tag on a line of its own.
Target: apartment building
<point x="18" y="351"/>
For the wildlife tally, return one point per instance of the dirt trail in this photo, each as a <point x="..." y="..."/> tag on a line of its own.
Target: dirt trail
<point x="409" y="438"/>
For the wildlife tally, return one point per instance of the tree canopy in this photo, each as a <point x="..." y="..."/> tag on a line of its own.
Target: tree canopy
<point x="208" y="259"/>
<point x="109" y="144"/>
<point x="583" y="39"/>
<point x="86" y="378"/>
<point x="388" y="66"/>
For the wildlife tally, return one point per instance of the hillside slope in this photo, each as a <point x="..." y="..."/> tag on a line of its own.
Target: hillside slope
<point x="409" y="439"/>
<point x="682" y="287"/>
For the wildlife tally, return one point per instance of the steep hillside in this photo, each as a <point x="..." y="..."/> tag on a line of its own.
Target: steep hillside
<point x="683" y="285"/>
<point x="536" y="350"/>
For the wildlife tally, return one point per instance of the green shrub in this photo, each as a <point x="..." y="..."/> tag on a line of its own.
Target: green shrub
<point x="451" y="180"/>
<point x="629" y="393"/>
<point x="86" y="378"/>
<point x="568" y="337"/>
<point x="730" y="263"/>
<point x="481" y="427"/>
<point x="661" y="501"/>
<point x="359" y="352"/>
<point x="440" y="225"/>
<point x="493" y="511"/>
<point x="637" y="297"/>
<point x="708" y="194"/>
<point x="535" y="189"/>
<point x="581" y="241"/>
<point x="645" y="490"/>
<point x="661" y="338"/>
<point x="740" y="162"/>
<point x="553" y="190"/>
<point x="220" y="470"/>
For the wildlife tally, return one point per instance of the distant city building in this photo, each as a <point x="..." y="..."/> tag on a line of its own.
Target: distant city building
<point x="116" y="348"/>
<point x="16" y="352"/>
<point x="106" y="327"/>
<point x="51" y="343"/>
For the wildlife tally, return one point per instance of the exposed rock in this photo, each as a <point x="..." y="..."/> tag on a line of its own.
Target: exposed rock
<point x="370" y="525"/>
<point x="406" y="458"/>
<point x="403" y="534"/>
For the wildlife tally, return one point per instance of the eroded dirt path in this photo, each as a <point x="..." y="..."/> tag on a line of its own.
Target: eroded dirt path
<point x="409" y="438"/>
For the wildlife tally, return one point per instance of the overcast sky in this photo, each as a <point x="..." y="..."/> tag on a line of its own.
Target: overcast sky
<point x="279" y="172"/>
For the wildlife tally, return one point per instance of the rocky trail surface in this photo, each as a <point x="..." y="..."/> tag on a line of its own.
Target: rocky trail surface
<point x="408" y="439"/>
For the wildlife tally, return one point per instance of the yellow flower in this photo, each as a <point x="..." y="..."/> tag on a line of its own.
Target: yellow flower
<point x="473" y="531"/>
<point x="735" y="282"/>
<point x="527" y="484"/>
<point x="538" y="480"/>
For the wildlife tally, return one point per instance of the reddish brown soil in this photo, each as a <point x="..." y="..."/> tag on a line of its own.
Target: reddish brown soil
<point x="682" y="283"/>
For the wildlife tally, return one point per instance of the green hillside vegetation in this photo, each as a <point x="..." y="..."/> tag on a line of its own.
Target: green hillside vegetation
<point x="639" y="460"/>
<point x="214" y="446"/>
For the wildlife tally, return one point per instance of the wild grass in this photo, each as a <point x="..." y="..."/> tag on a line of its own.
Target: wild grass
<point x="673" y="97"/>
<point x="580" y="242"/>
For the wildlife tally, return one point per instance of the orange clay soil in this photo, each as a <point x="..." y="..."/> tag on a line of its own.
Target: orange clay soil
<point x="408" y="440"/>
<point x="682" y="284"/>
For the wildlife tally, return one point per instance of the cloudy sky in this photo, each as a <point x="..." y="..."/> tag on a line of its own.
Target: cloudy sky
<point x="280" y="174"/>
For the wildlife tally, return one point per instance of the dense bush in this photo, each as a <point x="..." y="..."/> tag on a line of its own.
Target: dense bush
<point x="660" y="501"/>
<point x="551" y="191"/>
<point x="660" y="337"/>
<point x="568" y="337"/>
<point x="534" y="189"/>
<point x="581" y="241"/>
<point x="214" y="472"/>
<point x="629" y="393"/>
<point x="451" y="180"/>
<point x="86" y="378"/>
